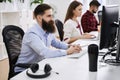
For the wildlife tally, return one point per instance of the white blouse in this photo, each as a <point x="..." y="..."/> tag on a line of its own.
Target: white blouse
<point x="71" y="30"/>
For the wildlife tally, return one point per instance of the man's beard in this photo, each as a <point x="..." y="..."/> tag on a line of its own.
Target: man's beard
<point x="48" y="26"/>
<point x="93" y="11"/>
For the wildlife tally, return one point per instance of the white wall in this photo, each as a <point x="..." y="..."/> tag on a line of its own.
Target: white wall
<point x="113" y="2"/>
<point x="60" y="7"/>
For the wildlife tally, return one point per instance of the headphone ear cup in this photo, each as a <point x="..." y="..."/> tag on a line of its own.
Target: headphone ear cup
<point x="34" y="67"/>
<point x="47" y="69"/>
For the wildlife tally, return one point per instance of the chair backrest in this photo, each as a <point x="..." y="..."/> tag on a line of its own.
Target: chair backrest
<point x="59" y="25"/>
<point x="12" y="37"/>
<point x="100" y="16"/>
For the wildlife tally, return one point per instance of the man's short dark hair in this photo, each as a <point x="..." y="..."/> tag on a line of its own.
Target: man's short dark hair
<point x="40" y="9"/>
<point x="94" y="3"/>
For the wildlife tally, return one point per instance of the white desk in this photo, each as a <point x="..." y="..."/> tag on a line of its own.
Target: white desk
<point x="75" y="69"/>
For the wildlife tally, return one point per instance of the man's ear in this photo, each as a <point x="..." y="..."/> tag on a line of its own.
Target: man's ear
<point x="39" y="17"/>
<point x="93" y="6"/>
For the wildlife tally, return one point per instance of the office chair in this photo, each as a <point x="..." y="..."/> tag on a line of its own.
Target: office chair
<point x="12" y="37"/>
<point x="59" y="25"/>
<point x="100" y="16"/>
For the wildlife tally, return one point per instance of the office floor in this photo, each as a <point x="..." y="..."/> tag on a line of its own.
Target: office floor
<point x="4" y="68"/>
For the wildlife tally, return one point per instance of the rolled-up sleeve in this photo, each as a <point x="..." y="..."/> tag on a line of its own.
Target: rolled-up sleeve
<point x="39" y="47"/>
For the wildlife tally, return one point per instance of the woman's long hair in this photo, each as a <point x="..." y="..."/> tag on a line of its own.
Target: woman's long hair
<point x="71" y="7"/>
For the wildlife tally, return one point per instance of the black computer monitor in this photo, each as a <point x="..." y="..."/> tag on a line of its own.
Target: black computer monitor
<point x="110" y="32"/>
<point x="110" y="15"/>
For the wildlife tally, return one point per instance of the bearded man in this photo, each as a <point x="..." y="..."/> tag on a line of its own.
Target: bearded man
<point x="38" y="39"/>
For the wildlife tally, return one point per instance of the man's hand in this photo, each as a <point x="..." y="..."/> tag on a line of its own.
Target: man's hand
<point x="73" y="49"/>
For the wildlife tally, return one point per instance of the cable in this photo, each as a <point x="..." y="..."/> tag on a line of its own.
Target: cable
<point x="53" y="72"/>
<point x="110" y="50"/>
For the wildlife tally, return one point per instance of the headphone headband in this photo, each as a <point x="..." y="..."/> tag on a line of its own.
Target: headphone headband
<point x="34" y="67"/>
<point x="38" y="76"/>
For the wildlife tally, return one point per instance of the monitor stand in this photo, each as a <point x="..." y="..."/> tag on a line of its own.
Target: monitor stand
<point x="110" y="50"/>
<point x="113" y="62"/>
<point x="116" y="47"/>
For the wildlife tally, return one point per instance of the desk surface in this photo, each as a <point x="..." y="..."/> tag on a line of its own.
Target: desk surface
<point x="74" y="69"/>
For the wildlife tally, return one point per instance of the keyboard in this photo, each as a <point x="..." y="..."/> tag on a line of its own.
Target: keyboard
<point x="84" y="45"/>
<point x="85" y="42"/>
<point x="95" y="33"/>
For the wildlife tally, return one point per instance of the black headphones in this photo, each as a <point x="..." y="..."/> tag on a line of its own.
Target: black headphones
<point x="34" y="67"/>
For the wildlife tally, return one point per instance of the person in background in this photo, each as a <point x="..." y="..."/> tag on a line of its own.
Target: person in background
<point x="72" y="28"/>
<point x="38" y="39"/>
<point x="88" y="20"/>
